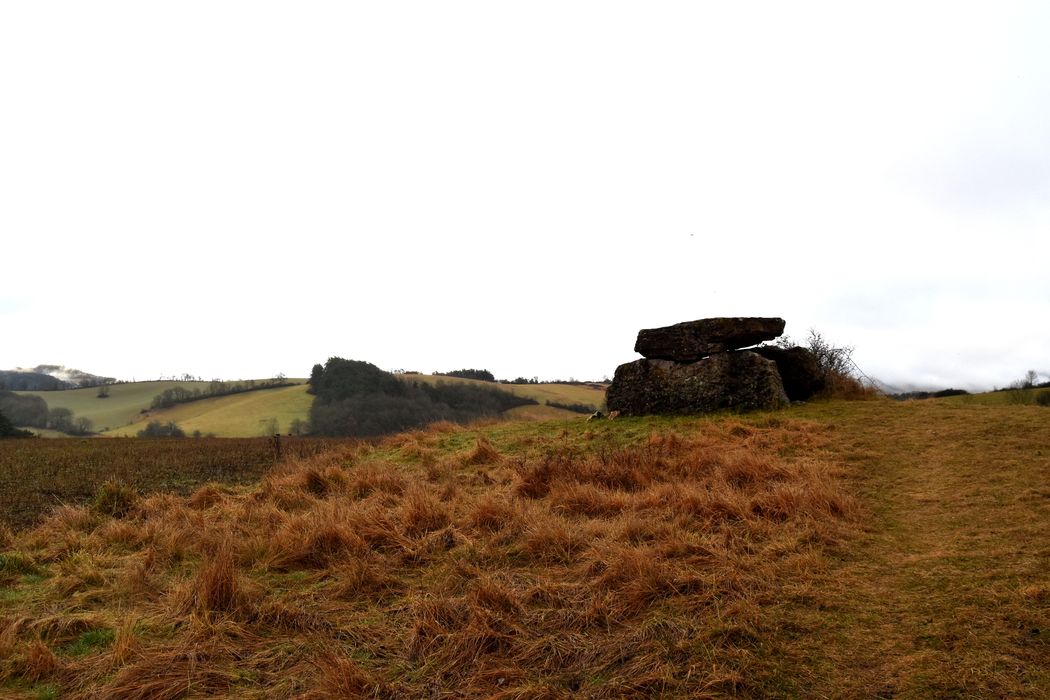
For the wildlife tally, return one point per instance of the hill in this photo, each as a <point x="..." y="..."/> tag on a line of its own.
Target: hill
<point x="49" y="378"/>
<point x="567" y="394"/>
<point x="126" y="410"/>
<point x="248" y="414"/>
<point x="865" y="549"/>
<point x="24" y="380"/>
<point x="129" y="405"/>
<point x="123" y="406"/>
<point x="1006" y="397"/>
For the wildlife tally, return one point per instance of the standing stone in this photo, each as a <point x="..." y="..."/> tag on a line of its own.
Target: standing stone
<point x="693" y="340"/>
<point x="798" y="369"/>
<point x="733" y="380"/>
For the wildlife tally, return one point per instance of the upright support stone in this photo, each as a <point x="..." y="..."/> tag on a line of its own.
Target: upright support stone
<point x="799" y="370"/>
<point x="732" y="380"/>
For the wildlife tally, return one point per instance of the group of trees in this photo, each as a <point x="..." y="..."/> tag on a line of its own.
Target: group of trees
<point x="7" y="430"/>
<point x="64" y="421"/>
<point x="24" y="409"/>
<point x="1030" y="380"/>
<point x="43" y="378"/>
<point x="482" y="375"/>
<point x="30" y="381"/>
<point x="179" y="394"/>
<point x="156" y="429"/>
<point x="31" y="411"/>
<point x="574" y="407"/>
<point x="358" y="399"/>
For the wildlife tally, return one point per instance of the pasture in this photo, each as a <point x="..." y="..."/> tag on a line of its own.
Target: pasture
<point x="126" y="405"/>
<point x="123" y="406"/>
<point x="248" y="414"/>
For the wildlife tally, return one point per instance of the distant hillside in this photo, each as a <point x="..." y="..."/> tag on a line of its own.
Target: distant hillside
<point x="123" y="405"/>
<point x="565" y="394"/>
<point x="49" y="378"/>
<point x="25" y="380"/>
<point x="249" y="414"/>
<point x="355" y="398"/>
<point x="127" y="408"/>
<point x="126" y="403"/>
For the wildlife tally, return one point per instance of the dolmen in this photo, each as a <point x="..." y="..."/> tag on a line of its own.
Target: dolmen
<point x="710" y="365"/>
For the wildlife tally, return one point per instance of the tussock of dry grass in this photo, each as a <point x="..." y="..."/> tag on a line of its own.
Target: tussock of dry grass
<point x="609" y="571"/>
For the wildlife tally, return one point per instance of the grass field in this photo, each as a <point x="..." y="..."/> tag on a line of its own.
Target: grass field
<point x="239" y="415"/>
<point x="865" y="549"/>
<point x="123" y="407"/>
<point x="249" y="414"/>
<point x="947" y="594"/>
<point x="1013" y="397"/>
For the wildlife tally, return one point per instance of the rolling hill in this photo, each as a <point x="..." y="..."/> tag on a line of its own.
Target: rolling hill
<point x="248" y="414"/>
<point x="126" y="411"/>
<point x="567" y="394"/>
<point x="128" y="405"/>
<point x="123" y="406"/>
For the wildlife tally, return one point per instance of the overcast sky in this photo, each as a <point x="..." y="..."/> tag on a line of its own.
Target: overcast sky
<point x="236" y="189"/>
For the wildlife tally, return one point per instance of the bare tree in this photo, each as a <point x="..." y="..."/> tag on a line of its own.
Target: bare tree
<point x="832" y="360"/>
<point x="1030" y="378"/>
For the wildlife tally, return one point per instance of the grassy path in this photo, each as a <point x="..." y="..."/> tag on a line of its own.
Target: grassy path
<point x="948" y="593"/>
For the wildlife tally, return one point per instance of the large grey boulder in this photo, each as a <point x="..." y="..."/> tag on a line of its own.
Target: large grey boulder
<point x="733" y="380"/>
<point x="798" y="369"/>
<point x="693" y="340"/>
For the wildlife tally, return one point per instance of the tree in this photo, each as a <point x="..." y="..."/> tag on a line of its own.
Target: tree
<point x="157" y="429"/>
<point x="60" y="419"/>
<point x="480" y="374"/>
<point x="83" y="426"/>
<point x="342" y="379"/>
<point x="360" y="400"/>
<point x="1030" y="378"/>
<point x="832" y="360"/>
<point x="103" y="392"/>
<point x="271" y="427"/>
<point x="9" y="431"/>
<point x="297" y="427"/>
<point x="24" y="409"/>
<point x="315" y="378"/>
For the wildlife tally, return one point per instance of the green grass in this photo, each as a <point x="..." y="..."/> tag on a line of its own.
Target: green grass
<point x="89" y="641"/>
<point x="123" y="406"/>
<point x="1012" y="397"/>
<point x="239" y="415"/>
<point x="948" y="594"/>
<point x="15" y="563"/>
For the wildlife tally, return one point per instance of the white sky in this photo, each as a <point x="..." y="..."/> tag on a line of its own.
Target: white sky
<point x="236" y="189"/>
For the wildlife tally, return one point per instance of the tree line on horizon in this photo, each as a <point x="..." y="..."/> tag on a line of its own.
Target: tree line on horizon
<point x="179" y="394"/>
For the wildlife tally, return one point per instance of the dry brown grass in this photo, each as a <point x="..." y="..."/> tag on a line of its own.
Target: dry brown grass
<point x="586" y="566"/>
<point x="946" y="593"/>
